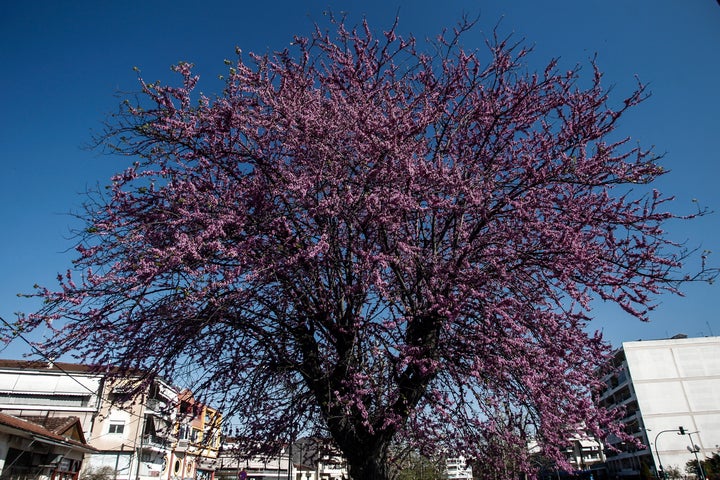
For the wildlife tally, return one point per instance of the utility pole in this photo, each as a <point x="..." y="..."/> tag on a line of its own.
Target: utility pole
<point x="694" y="449"/>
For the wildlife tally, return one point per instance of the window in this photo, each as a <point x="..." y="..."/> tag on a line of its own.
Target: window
<point x="12" y="398"/>
<point x="116" y="428"/>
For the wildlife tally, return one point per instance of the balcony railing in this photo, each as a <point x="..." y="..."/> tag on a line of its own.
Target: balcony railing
<point x="157" y="406"/>
<point x="157" y="441"/>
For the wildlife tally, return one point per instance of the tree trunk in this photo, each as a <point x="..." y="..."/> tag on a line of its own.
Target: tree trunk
<point x="369" y="464"/>
<point x="370" y="468"/>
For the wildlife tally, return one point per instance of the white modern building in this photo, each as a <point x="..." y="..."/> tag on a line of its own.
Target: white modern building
<point x="457" y="468"/>
<point x="671" y="392"/>
<point x="584" y="452"/>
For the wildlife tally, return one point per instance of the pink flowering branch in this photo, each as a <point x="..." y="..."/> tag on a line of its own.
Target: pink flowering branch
<point x="375" y="242"/>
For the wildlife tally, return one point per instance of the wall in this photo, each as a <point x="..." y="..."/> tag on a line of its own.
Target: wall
<point x="677" y="383"/>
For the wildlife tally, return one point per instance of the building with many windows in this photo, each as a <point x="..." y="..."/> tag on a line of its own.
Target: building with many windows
<point x="198" y="432"/>
<point x="139" y="428"/>
<point x="457" y="468"/>
<point x="37" y="389"/>
<point x="584" y="453"/>
<point x="133" y="428"/>
<point x="670" y="390"/>
<point x="308" y="458"/>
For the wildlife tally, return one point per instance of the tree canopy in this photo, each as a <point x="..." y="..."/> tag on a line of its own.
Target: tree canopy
<point x="372" y="239"/>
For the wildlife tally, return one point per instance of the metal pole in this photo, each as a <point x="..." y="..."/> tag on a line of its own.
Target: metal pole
<point x="695" y="452"/>
<point x="657" y="450"/>
<point x="290" y="453"/>
<point x="292" y="438"/>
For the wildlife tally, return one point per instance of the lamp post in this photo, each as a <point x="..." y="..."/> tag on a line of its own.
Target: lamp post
<point x="657" y="450"/>
<point x="694" y="449"/>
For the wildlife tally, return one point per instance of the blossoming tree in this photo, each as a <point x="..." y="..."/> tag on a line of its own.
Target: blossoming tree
<point x="374" y="240"/>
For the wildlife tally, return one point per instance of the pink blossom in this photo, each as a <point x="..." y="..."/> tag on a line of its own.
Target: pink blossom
<point x="365" y="240"/>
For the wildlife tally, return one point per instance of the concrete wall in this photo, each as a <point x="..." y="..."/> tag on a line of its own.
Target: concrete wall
<point x="677" y="383"/>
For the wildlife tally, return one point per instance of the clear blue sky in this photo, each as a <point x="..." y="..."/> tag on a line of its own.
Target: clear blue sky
<point x="63" y="64"/>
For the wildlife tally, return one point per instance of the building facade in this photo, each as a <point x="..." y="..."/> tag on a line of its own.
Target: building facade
<point x="198" y="433"/>
<point x="139" y="428"/>
<point x="670" y="390"/>
<point x="37" y="389"/>
<point x="133" y="429"/>
<point x="306" y="459"/>
<point x="458" y="468"/>
<point x="585" y="453"/>
<point x="46" y="448"/>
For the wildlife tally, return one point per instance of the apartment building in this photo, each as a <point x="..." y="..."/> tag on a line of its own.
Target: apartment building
<point x="584" y="453"/>
<point x="133" y="428"/>
<point x="140" y="428"/>
<point x="457" y="468"/>
<point x="232" y="461"/>
<point x="37" y="389"/>
<point x="308" y="458"/>
<point x="670" y="390"/>
<point x="198" y="432"/>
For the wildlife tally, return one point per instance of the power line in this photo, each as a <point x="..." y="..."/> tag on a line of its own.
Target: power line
<point x="18" y="334"/>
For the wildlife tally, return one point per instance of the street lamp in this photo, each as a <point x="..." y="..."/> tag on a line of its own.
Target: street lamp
<point x="681" y="431"/>
<point x="694" y="449"/>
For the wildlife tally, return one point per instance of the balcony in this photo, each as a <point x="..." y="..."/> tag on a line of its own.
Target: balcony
<point x="156" y="406"/>
<point x="156" y="442"/>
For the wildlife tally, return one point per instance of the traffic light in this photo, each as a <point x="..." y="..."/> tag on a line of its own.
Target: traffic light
<point x="682" y="430"/>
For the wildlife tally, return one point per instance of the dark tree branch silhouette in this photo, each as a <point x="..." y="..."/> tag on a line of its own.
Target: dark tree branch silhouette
<point x="374" y="241"/>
